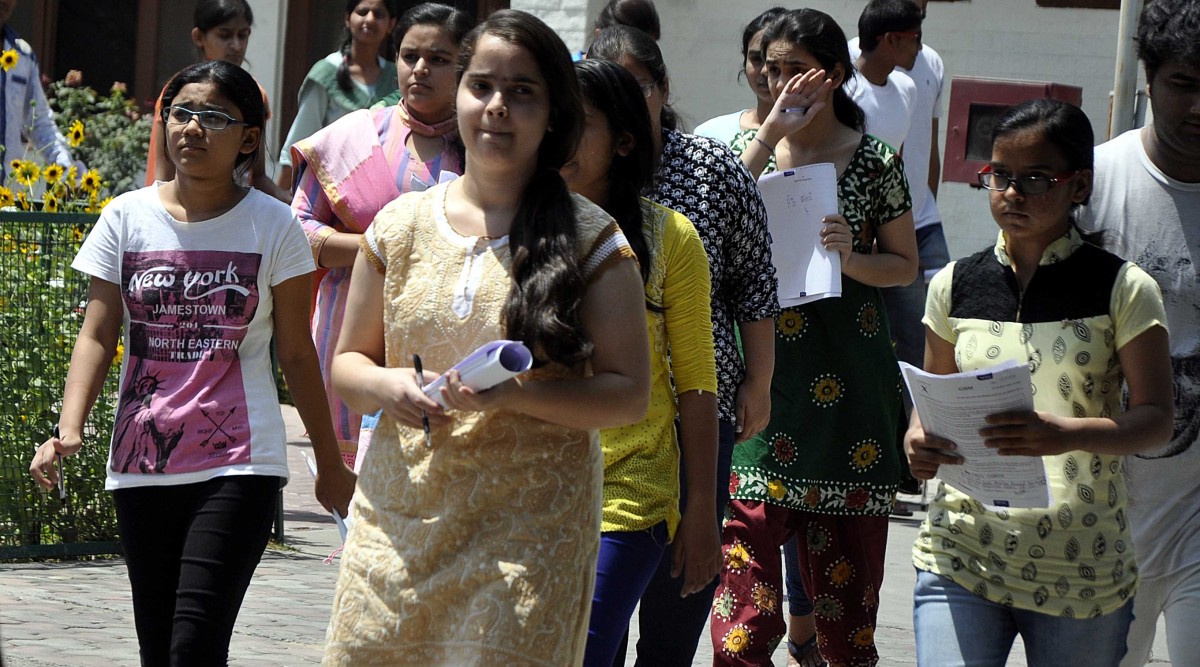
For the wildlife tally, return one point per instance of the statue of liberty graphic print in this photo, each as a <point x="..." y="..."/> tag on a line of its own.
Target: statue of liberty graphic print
<point x="183" y="405"/>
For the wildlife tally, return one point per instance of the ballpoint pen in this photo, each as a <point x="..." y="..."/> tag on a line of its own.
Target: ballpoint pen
<point x="62" y="489"/>
<point x="421" y="386"/>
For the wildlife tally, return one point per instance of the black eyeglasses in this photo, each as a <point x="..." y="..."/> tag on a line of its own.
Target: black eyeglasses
<point x="209" y="120"/>
<point x="1034" y="184"/>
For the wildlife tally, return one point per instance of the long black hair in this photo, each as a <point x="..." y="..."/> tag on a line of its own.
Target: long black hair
<point x="455" y="22"/>
<point x="817" y="33"/>
<point x="389" y="49"/>
<point x="233" y="83"/>
<point x="612" y="90"/>
<point x="622" y="41"/>
<point x="543" y="306"/>
<point x="1064" y="125"/>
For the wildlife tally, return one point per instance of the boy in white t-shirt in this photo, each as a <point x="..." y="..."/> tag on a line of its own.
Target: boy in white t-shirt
<point x="889" y="33"/>
<point x="1146" y="204"/>
<point x="906" y="304"/>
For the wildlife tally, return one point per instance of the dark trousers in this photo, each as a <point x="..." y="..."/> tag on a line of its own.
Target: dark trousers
<point x="190" y="550"/>
<point x="670" y="626"/>
<point x="627" y="561"/>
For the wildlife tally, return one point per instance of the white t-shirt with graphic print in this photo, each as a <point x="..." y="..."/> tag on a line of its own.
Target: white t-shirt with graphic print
<point x="1153" y="220"/>
<point x="197" y="396"/>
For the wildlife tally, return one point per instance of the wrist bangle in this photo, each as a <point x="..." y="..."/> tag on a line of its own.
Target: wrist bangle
<point x="769" y="147"/>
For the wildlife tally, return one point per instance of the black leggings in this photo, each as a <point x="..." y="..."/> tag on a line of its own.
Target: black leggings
<point x="190" y="551"/>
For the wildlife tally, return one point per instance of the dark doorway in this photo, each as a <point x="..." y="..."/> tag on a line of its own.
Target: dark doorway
<point x="95" y="38"/>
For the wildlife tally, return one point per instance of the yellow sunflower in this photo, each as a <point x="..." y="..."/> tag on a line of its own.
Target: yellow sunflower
<point x="52" y="174"/>
<point x="49" y="203"/>
<point x="77" y="234"/>
<point x="865" y="455"/>
<point x="14" y="165"/>
<point x="868" y="319"/>
<point x="841" y="572"/>
<point x="827" y="390"/>
<point x="9" y="59"/>
<point x="75" y="133"/>
<point x="91" y="181"/>
<point x="27" y="173"/>
<point x="765" y="599"/>
<point x="6" y="197"/>
<point x="790" y="323"/>
<point x="120" y="353"/>
<point x="73" y="176"/>
<point x="737" y="639"/>
<point x="22" y="201"/>
<point x="776" y="489"/>
<point x="737" y="558"/>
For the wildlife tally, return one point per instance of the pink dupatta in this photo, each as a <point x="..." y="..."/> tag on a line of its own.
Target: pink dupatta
<point x="351" y="168"/>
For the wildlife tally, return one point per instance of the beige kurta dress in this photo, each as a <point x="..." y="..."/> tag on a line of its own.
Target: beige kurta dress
<point x="480" y="550"/>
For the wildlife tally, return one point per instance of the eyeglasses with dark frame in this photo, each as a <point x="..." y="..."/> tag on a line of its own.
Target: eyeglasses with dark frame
<point x="208" y="119"/>
<point x="1034" y="184"/>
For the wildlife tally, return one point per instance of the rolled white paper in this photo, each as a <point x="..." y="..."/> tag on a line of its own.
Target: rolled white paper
<point x="486" y="367"/>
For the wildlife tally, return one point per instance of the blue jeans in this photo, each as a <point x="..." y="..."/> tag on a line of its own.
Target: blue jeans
<point x="956" y="628"/>
<point x="671" y="625"/>
<point x="905" y="305"/>
<point x="798" y="602"/>
<point x="627" y="561"/>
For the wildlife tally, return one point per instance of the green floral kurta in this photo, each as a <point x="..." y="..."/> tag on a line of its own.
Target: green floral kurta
<point x="833" y="443"/>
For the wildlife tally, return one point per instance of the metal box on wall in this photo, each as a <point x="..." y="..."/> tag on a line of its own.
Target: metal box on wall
<point x="975" y="106"/>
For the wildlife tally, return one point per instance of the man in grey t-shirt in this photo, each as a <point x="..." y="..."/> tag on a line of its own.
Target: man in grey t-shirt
<point x="1146" y="201"/>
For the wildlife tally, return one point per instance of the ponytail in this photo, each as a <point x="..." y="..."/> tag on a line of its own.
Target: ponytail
<point x="847" y="110"/>
<point x="343" y="71"/>
<point x="543" y="307"/>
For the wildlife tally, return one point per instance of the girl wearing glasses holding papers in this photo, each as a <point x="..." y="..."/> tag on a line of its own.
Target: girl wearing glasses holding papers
<point x="1062" y="577"/>
<point x="201" y="273"/>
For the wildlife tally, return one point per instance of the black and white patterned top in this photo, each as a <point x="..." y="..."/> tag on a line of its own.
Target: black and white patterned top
<point x="704" y="180"/>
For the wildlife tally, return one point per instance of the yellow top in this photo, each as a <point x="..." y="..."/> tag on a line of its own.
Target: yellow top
<point x="641" y="461"/>
<point x="1074" y="558"/>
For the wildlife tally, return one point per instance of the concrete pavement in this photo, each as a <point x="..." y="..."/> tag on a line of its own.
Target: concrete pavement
<point x="74" y="614"/>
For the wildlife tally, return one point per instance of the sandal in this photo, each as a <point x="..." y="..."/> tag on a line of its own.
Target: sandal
<point x="806" y="654"/>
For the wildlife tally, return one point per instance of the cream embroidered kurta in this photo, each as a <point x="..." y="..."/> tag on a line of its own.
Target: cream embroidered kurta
<point x="480" y="550"/>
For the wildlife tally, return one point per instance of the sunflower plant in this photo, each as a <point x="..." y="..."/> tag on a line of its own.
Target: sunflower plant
<point x="53" y="189"/>
<point x="42" y="306"/>
<point x="108" y="132"/>
<point x="42" y="303"/>
<point x="8" y="59"/>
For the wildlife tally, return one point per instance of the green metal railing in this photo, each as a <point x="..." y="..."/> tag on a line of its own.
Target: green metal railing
<point x="41" y="309"/>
